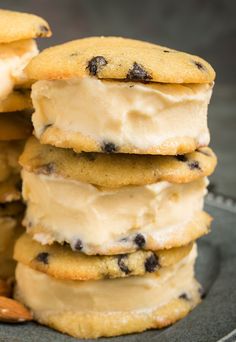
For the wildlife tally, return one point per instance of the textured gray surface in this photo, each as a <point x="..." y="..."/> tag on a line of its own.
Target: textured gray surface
<point x="222" y="123"/>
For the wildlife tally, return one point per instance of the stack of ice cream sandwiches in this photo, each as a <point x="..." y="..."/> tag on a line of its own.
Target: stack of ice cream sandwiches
<point x="17" y="47"/>
<point x="114" y="182"/>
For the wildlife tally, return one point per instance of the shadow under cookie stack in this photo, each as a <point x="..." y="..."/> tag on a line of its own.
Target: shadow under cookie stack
<point x="17" y="47"/>
<point x="114" y="182"/>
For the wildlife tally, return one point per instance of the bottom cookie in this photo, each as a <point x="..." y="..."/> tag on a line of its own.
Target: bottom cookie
<point x="110" y="307"/>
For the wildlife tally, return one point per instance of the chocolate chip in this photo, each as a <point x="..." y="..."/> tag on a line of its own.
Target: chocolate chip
<point x="194" y="164"/>
<point x="96" y="64"/>
<point x="140" y="240"/>
<point x="109" y="147"/>
<point x="121" y="263"/>
<point x="203" y="295"/>
<point x="78" y="245"/>
<point x="42" y="257"/>
<point x="47" y="169"/>
<point x="87" y="155"/>
<point x="181" y="157"/>
<point x="46" y="126"/>
<point x="184" y="296"/>
<point x="166" y="51"/>
<point x="43" y="29"/>
<point x="202" y="292"/>
<point x="151" y="263"/>
<point x="200" y="66"/>
<point x="138" y="73"/>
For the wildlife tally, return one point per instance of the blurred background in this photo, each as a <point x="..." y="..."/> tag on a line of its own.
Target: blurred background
<point x="203" y="27"/>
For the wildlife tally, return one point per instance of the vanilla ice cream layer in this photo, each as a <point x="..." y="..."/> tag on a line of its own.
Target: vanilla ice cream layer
<point x="47" y="295"/>
<point x="127" y="114"/>
<point x="13" y="59"/>
<point x="98" y="217"/>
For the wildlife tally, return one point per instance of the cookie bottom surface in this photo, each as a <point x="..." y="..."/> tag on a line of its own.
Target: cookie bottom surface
<point x="79" y="142"/>
<point x="91" y="309"/>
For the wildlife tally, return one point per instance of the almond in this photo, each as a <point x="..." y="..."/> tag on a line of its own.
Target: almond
<point x="12" y="311"/>
<point x="5" y="288"/>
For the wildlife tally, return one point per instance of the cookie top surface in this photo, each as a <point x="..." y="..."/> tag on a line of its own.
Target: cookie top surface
<point x="61" y="262"/>
<point x="15" y="126"/>
<point x="119" y="58"/>
<point x="18" y="100"/>
<point x="18" y="26"/>
<point x="116" y="170"/>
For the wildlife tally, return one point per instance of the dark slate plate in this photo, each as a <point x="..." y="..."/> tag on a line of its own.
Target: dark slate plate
<point x="213" y="320"/>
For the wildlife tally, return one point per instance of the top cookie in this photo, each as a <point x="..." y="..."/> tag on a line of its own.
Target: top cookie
<point x="119" y="58"/>
<point x="18" y="26"/>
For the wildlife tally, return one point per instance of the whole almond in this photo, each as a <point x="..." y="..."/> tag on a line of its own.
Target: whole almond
<point x="12" y="311"/>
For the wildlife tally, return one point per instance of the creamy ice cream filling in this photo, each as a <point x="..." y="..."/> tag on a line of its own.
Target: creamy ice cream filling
<point x="91" y="218"/>
<point x="13" y="59"/>
<point x="47" y="295"/>
<point x="122" y="113"/>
